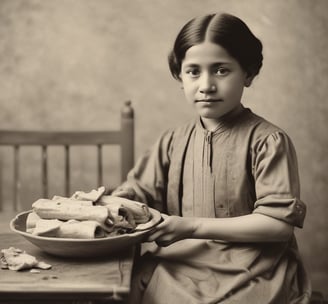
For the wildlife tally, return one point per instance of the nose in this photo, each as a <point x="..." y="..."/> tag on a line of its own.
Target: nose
<point x="206" y="84"/>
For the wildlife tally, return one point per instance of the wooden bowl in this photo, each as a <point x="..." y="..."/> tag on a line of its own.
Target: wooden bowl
<point x="85" y="247"/>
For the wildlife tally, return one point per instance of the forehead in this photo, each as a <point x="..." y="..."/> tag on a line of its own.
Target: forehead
<point x="207" y="53"/>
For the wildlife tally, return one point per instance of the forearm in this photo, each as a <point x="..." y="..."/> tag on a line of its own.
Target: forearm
<point x="247" y="228"/>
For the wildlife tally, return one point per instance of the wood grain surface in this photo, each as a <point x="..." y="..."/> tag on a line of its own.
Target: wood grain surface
<point x="102" y="278"/>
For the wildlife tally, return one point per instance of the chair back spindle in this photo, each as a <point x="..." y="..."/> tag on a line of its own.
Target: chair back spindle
<point x="123" y="137"/>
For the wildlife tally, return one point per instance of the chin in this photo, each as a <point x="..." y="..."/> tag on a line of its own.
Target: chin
<point x="212" y="111"/>
<point x="211" y="115"/>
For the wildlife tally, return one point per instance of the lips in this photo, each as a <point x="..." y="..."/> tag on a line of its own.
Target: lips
<point x="209" y="100"/>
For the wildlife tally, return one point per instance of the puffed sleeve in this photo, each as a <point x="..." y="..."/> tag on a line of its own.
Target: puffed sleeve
<point x="275" y="171"/>
<point x="148" y="178"/>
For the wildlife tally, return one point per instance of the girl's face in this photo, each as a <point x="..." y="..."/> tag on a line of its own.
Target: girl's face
<point x="213" y="81"/>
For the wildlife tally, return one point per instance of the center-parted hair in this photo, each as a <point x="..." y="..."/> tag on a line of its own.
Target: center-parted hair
<point x="226" y="30"/>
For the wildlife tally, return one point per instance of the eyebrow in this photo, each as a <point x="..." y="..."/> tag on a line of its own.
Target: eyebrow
<point x="212" y="64"/>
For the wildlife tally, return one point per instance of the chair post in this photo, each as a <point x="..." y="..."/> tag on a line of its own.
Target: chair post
<point x="1" y="182"/>
<point x="127" y="140"/>
<point x="100" y="165"/>
<point x="44" y="172"/>
<point x="67" y="171"/>
<point x="17" y="184"/>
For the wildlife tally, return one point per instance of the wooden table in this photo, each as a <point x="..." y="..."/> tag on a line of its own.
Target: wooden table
<point x="105" y="279"/>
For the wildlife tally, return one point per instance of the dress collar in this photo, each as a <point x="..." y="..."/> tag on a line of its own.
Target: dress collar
<point x="225" y="122"/>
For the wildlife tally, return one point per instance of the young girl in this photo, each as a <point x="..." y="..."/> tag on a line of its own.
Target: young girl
<point x="227" y="184"/>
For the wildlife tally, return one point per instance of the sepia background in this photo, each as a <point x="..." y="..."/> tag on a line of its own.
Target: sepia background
<point x="70" y="64"/>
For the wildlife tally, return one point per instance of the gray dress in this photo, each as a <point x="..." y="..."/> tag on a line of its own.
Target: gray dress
<point x="247" y="165"/>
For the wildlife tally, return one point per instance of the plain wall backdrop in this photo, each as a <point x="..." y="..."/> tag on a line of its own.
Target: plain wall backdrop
<point x="70" y="64"/>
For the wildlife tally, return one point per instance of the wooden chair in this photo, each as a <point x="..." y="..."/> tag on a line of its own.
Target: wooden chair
<point x="123" y="137"/>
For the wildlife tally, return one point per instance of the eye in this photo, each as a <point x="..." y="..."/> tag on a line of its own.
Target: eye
<point x="193" y="72"/>
<point x="221" y="71"/>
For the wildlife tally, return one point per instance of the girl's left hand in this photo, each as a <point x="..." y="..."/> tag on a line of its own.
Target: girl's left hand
<point x="172" y="229"/>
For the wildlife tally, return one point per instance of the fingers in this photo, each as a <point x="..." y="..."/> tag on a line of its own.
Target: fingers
<point x="160" y="238"/>
<point x="119" y="193"/>
<point x="154" y="236"/>
<point x="163" y="243"/>
<point x="128" y="193"/>
<point x="164" y="216"/>
<point x="157" y="231"/>
<point x="162" y="224"/>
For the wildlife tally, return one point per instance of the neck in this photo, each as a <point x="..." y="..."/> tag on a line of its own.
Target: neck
<point x="211" y="124"/>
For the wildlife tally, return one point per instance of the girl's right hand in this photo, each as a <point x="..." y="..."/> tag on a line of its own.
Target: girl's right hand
<point x="172" y="229"/>
<point x="128" y="193"/>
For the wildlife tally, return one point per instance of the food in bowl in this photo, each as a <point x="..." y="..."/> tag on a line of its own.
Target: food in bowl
<point x="86" y="215"/>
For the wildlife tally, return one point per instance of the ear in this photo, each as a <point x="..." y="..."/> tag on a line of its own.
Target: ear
<point x="248" y="80"/>
<point x="180" y="81"/>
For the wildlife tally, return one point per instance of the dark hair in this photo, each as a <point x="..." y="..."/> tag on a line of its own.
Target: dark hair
<point x="226" y="30"/>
